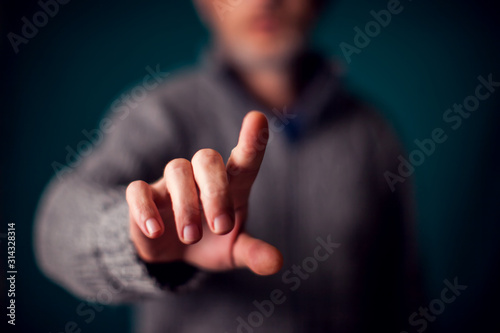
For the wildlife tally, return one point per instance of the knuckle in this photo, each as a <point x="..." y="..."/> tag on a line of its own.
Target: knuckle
<point x="176" y="166"/>
<point x="214" y="191"/>
<point x="263" y="138"/>
<point x="188" y="215"/>
<point x="186" y="209"/>
<point x="134" y="187"/>
<point x="233" y="169"/>
<point x="207" y="156"/>
<point x="146" y="210"/>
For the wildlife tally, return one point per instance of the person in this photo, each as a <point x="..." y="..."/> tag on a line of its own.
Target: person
<point x="155" y="216"/>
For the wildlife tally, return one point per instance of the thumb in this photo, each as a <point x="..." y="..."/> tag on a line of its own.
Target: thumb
<point x="260" y="257"/>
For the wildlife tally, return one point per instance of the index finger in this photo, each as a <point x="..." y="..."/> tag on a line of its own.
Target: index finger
<point x="244" y="163"/>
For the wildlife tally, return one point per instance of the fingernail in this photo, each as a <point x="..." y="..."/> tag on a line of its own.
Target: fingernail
<point x="190" y="233"/>
<point x="152" y="226"/>
<point x="222" y="224"/>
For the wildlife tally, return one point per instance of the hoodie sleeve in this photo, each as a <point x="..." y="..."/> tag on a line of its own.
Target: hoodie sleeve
<point x="82" y="238"/>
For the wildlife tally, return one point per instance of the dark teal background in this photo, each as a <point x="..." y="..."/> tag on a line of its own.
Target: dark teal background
<point x="427" y="59"/>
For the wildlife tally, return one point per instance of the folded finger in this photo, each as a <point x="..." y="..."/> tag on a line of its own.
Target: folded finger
<point x="143" y="210"/>
<point x="185" y="204"/>
<point x="211" y="177"/>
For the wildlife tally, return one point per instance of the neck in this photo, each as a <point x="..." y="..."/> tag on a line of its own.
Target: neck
<point x="274" y="87"/>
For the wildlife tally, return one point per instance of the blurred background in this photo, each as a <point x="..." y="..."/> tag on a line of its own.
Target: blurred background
<point x="429" y="57"/>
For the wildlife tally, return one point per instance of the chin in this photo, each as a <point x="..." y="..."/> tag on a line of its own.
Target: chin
<point x="266" y="53"/>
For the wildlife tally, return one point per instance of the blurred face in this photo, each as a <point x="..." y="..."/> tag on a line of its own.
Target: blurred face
<point x="256" y="33"/>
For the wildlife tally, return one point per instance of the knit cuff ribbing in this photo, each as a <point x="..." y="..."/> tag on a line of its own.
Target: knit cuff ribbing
<point x="118" y="258"/>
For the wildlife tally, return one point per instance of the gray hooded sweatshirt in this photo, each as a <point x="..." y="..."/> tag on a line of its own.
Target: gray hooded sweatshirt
<point x="348" y="240"/>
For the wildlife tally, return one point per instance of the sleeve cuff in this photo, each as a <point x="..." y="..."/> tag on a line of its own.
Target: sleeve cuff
<point x="118" y="257"/>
